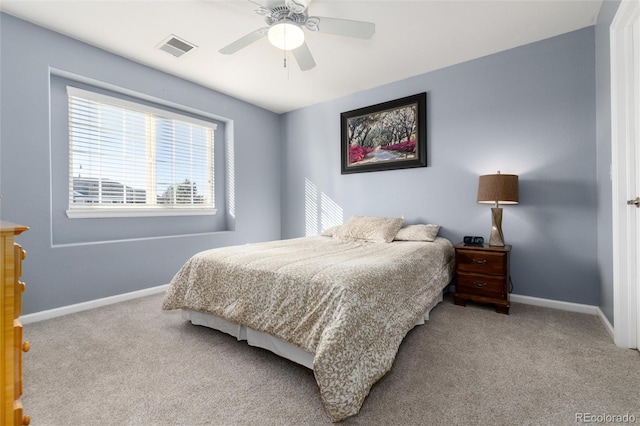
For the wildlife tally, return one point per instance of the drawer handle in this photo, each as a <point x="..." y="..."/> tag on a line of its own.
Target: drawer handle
<point x="478" y="284"/>
<point x="26" y="346"/>
<point x="479" y="261"/>
<point x="26" y="420"/>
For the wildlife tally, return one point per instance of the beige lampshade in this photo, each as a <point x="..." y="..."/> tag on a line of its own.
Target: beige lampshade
<point x="498" y="188"/>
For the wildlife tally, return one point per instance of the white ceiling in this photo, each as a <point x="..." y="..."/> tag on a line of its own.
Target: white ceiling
<point x="412" y="37"/>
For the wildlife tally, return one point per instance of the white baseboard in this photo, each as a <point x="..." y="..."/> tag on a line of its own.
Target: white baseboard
<point x="565" y="306"/>
<point x="555" y="304"/>
<point x="78" y="307"/>
<point x="65" y="310"/>
<point x="606" y="323"/>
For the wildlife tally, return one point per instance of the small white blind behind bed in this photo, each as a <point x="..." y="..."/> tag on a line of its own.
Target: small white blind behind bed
<point x="131" y="159"/>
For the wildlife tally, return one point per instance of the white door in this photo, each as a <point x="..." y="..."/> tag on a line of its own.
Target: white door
<point x="636" y="201"/>
<point x="625" y="143"/>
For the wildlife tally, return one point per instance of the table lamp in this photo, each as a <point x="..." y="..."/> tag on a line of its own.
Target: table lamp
<point x="497" y="189"/>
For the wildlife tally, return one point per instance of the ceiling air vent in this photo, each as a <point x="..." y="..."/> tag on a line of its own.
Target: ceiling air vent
<point x="176" y="46"/>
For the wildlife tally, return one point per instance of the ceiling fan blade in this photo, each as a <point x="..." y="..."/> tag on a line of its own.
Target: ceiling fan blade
<point x="244" y="41"/>
<point x="303" y="57"/>
<point x="342" y="27"/>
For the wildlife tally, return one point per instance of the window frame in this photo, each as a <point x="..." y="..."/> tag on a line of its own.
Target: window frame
<point x="118" y="211"/>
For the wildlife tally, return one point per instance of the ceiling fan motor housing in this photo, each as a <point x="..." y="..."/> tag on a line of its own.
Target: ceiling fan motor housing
<point x="282" y="13"/>
<point x="297" y="6"/>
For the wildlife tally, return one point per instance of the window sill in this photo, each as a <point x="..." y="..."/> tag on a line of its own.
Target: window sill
<point x="96" y="213"/>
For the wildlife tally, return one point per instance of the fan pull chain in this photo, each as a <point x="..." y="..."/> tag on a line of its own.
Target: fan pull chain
<point x="284" y="59"/>
<point x="284" y="49"/>
<point x="284" y="53"/>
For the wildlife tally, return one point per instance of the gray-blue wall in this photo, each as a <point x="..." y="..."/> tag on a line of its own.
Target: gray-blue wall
<point x="64" y="274"/>
<point x="528" y="111"/>
<point x="603" y="143"/>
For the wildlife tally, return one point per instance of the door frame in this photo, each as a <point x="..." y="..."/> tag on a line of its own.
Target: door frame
<point x="625" y="130"/>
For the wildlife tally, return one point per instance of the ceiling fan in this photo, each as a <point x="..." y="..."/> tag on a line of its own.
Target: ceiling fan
<point x="285" y="22"/>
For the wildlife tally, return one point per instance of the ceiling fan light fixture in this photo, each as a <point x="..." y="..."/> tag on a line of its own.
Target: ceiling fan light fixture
<point x="286" y="35"/>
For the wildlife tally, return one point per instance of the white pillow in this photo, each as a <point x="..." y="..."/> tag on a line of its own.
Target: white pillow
<point x="368" y="228"/>
<point x="418" y="233"/>
<point x="329" y="232"/>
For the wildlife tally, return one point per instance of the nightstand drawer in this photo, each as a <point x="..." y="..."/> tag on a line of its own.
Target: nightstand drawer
<point x="481" y="285"/>
<point x="481" y="262"/>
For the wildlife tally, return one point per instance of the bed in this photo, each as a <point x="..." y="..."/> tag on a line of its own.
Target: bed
<point x="336" y="304"/>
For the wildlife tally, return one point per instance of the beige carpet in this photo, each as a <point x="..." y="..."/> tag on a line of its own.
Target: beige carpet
<point x="131" y="364"/>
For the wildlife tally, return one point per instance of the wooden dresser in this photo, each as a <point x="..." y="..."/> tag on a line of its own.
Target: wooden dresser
<point x="11" y="344"/>
<point x="482" y="275"/>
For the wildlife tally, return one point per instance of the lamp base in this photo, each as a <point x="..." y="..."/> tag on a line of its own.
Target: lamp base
<point x="496" y="239"/>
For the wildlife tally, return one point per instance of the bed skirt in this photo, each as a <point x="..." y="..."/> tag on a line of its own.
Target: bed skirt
<point x="267" y="341"/>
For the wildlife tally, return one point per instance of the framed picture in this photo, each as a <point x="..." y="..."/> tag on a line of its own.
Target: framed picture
<point x="390" y="135"/>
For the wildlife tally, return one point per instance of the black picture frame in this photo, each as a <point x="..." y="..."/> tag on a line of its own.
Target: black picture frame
<point x="386" y="136"/>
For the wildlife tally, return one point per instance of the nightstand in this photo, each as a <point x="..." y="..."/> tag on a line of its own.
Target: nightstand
<point x="482" y="275"/>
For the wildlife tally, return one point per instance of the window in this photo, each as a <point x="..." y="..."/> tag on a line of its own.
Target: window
<point x="130" y="159"/>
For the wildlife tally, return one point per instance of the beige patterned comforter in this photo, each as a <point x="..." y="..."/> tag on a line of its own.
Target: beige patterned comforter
<point x="349" y="303"/>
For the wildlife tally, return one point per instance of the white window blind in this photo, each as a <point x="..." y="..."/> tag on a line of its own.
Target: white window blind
<point x="129" y="159"/>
